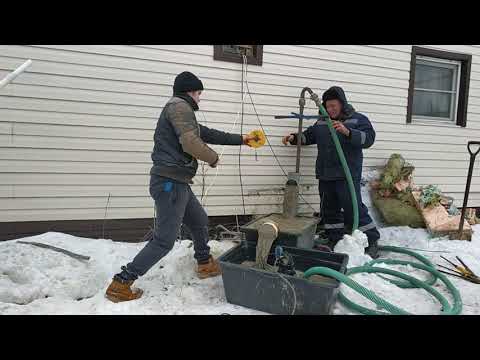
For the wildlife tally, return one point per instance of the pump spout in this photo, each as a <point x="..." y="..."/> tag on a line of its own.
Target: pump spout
<point x="291" y="194"/>
<point x="304" y="90"/>
<point x="301" y="103"/>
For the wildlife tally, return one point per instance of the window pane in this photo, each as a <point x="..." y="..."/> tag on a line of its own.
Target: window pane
<point x="435" y="78"/>
<point x="432" y="104"/>
<point x="239" y="49"/>
<point x="233" y="49"/>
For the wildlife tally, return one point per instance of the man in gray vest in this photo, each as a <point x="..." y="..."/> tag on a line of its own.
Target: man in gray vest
<point x="179" y="141"/>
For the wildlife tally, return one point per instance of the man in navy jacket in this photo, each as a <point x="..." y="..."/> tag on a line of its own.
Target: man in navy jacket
<point x="355" y="133"/>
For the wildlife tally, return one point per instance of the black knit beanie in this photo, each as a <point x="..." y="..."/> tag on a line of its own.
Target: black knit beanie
<point x="185" y="82"/>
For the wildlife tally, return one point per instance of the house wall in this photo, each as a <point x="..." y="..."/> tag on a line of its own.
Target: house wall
<point x="76" y="129"/>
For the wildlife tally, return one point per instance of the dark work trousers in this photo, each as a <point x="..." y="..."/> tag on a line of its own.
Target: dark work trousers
<point x="335" y="197"/>
<point x="175" y="203"/>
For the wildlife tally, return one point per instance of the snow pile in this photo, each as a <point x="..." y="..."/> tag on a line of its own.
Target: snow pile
<point x="40" y="281"/>
<point x="367" y="197"/>
<point x="354" y="246"/>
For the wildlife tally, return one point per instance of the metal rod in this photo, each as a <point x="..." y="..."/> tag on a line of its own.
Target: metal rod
<point x="455" y="271"/>
<point x="465" y="266"/>
<point x="448" y="273"/>
<point x="301" y="102"/>
<point x="299" y="140"/>
<point x="451" y="263"/>
<point x="296" y="116"/>
<point x="54" y="248"/>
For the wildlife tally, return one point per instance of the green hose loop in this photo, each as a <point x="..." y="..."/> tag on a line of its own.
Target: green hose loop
<point x="408" y="281"/>
<point x="346" y="170"/>
<point x="447" y="309"/>
<point x="355" y="286"/>
<point x="416" y="283"/>
<point x="405" y="284"/>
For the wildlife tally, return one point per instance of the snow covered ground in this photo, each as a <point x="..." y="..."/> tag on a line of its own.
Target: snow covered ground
<point x="40" y="281"/>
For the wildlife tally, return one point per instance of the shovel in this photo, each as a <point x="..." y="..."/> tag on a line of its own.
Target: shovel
<point x="469" y="180"/>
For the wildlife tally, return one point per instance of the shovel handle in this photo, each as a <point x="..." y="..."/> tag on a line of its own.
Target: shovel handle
<point x="472" y="153"/>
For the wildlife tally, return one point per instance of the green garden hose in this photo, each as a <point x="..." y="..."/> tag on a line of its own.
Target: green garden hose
<point x="408" y="281"/>
<point x="343" y="161"/>
<point x="447" y="309"/>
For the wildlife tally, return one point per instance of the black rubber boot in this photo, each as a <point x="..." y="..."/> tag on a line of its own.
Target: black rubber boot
<point x="372" y="250"/>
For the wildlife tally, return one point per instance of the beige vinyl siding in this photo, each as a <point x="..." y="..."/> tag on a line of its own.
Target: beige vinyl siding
<point x="77" y="127"/>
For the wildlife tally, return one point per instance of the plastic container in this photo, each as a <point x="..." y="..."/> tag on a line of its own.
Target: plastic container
<point x="295" y="232"/>
<point x="281" y="294"/>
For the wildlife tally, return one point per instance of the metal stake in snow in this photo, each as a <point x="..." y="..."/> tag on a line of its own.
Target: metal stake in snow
<point x="15" y="73"/>
<point x="54" y="248"/>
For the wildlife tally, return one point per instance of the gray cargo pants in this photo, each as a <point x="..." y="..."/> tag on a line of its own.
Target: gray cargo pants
<point x="175" y="203"/>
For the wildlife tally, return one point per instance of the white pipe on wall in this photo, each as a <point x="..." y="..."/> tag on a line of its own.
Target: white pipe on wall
<point x="15" y="73"/>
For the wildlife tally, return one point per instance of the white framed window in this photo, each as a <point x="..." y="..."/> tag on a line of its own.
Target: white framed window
<point x="436" y="89"/>
<point x="439" y="86"/>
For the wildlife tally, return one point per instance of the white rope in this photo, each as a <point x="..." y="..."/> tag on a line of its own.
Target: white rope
<point x="246" y="92"/>
<point x="268" y="141"/>
<point x="204" y="171"/>
<point x="223" y="149"/>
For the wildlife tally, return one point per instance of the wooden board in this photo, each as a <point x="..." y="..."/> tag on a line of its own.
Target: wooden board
<point x="439" y="223"/>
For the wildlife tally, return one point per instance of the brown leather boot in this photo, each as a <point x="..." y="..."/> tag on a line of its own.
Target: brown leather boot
<point x="210" y="269"/>
<point x="121" y="291"/>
